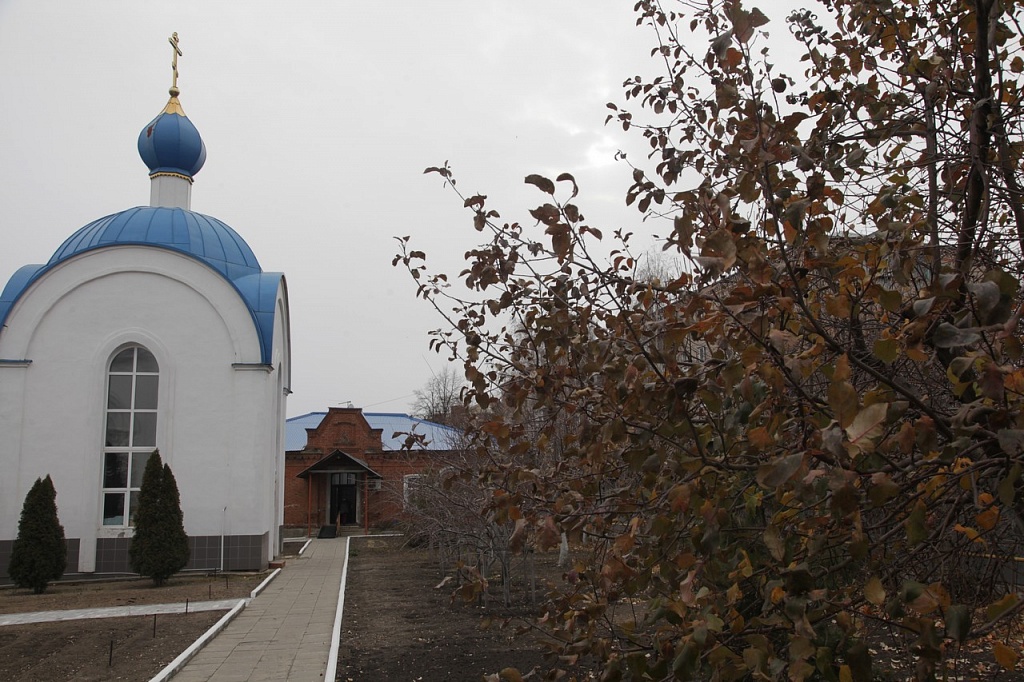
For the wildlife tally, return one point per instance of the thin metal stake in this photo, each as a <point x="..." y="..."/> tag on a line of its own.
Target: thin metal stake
<point x="110" y="660"/>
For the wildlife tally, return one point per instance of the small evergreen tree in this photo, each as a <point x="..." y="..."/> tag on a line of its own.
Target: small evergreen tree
<point x="39" y="554"/>
<point x="160" y="546"/>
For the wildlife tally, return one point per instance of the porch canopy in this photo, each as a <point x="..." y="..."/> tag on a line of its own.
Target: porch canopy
<point x="338" y="461"/>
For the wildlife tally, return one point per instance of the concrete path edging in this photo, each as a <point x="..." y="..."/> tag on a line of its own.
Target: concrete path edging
<point x="115" y="612"/>
<point x="331" y="671"/>
<point x="266" y="581"/>
<point x="185" y="656"/>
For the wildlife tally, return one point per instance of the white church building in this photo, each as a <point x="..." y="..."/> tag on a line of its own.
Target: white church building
<point x="152" y="328"/>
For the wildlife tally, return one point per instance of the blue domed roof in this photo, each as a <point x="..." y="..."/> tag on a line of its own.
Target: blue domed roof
<point x="171" y="144"/>
<point x="196" y="235"/>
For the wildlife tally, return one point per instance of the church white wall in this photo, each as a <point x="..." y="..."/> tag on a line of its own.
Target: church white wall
<point x="221" y="411"/>
<point x="282" y="363"/>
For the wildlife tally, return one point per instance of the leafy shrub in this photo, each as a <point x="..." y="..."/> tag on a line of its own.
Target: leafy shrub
<point x="160" y="546"/>
<point x="39" y="554"/>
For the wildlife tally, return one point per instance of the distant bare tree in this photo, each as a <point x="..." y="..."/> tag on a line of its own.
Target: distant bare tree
<point x="660" y="267"/>
<point x="441" y="393"/>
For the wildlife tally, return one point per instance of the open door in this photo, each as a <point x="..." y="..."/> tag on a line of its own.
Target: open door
<point x="344" y="495"/>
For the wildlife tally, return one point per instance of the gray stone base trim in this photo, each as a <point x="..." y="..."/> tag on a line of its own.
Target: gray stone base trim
<point x="241" y="553"/>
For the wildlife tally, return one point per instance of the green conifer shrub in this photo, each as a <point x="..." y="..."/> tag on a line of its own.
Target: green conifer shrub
<point x="39" y="554"/>
<point x="159" y="548"/>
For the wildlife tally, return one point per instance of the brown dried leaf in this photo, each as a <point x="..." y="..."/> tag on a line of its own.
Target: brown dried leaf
<point x="541" y="183"/>
<point x="842" y="398"/>
<point x="874" y="592"/>
<point x="1005" y="656"/>
<point x="549" y="535"/>
<point x="773" y="474"/>
<point x="867" y="426"/>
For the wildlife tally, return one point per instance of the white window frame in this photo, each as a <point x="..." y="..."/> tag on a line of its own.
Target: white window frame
<point x="137" y="449"/>
<point x="408" y="486"/>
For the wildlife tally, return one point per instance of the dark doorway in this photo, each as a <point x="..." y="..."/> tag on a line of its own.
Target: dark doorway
<point x="343" y="499"/>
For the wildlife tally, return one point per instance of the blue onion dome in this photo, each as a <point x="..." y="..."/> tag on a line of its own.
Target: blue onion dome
<point x="170" y="144"/>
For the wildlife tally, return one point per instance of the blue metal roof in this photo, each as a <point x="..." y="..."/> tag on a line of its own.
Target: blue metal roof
<point x="438" y="436"/>
<point x="18" y="282"/>
<point x="198" y="236"/>
<point x="295" y="429"/>
<point x="194" y="234"/>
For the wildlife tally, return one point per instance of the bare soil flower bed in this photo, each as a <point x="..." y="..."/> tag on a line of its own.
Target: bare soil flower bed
<point x="109" y="648"/>
<point x="399" y="627"/>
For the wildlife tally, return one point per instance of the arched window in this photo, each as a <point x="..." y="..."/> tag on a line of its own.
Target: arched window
<point x="130" y="432"/>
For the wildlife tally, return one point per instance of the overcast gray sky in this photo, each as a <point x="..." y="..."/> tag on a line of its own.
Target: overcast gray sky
<point x="319" y="118"/>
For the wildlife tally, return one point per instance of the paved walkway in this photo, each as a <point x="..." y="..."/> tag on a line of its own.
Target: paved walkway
<point x="285" y="632"/>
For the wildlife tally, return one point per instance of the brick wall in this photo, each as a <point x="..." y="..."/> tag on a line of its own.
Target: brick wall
<point x="386" y="504"/>
<point x="346" y="430"/>
<point x="295" y="490"/>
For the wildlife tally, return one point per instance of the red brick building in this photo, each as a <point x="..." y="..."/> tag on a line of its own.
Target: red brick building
<point x="349" y="468"/>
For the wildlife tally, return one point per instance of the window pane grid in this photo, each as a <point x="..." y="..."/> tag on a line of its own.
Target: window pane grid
<point x="131" y="408"/>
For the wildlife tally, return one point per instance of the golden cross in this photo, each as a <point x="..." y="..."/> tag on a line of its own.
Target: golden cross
<point x="173" y="40"/>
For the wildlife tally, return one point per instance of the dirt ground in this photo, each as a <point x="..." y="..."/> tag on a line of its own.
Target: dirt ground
<point x="398" y="627"/>
<point x="108" y="648"/>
